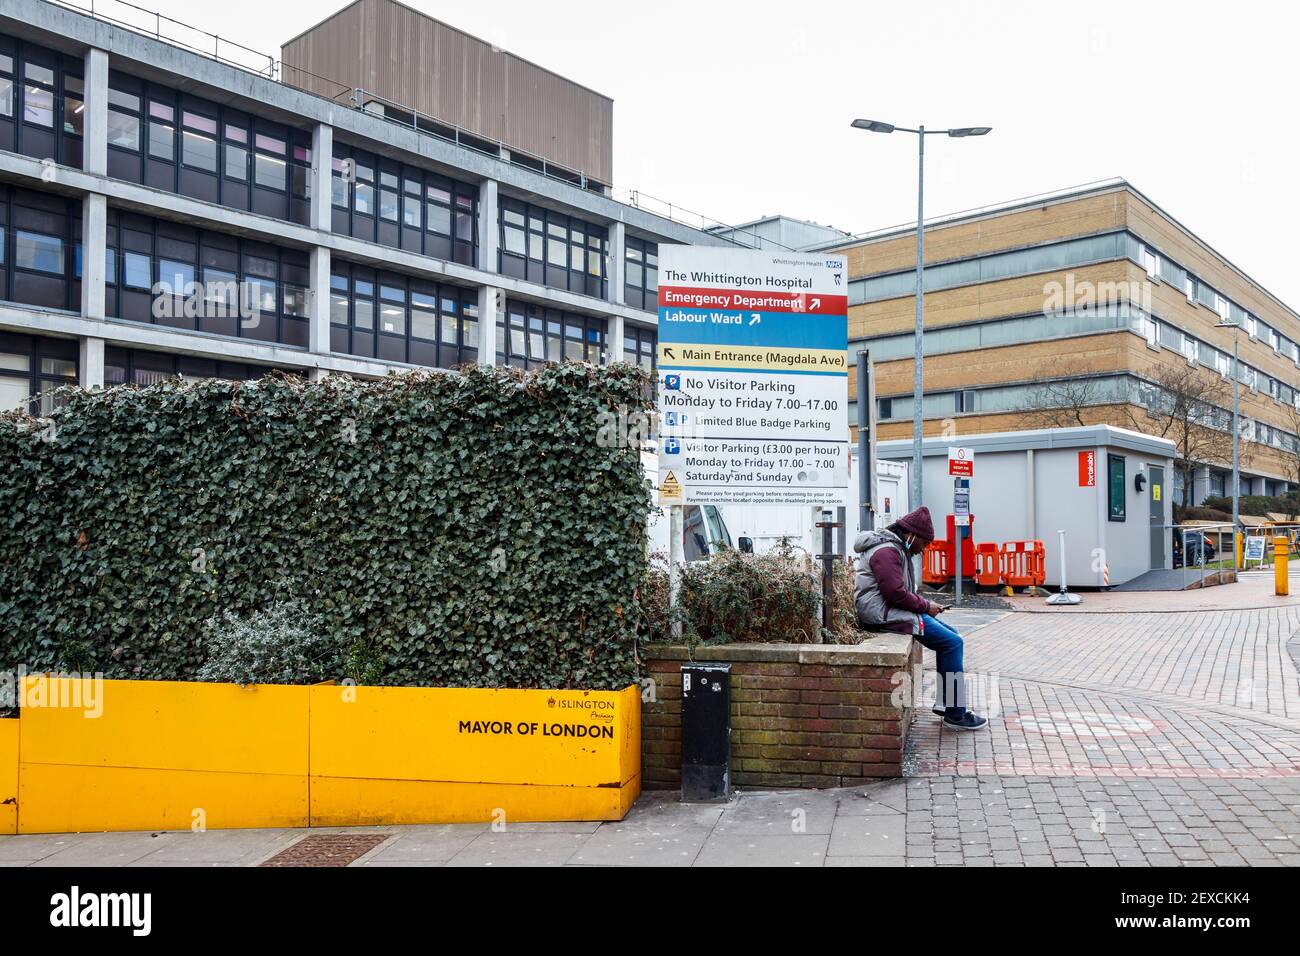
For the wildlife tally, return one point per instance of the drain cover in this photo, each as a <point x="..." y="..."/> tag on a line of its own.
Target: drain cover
<point x="327" y="849"/>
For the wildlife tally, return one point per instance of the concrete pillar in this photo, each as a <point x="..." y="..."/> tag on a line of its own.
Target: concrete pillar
<point x="94" y="144"/>
<point x="90" y="363"/>
<point x="94" y="246"/>
<point x="1200" y="484"/>
<point x="614" y="332"/>
<point x="489" y="226"/>
<point x="322" y="167"/>
<point x="617" y="292"/>
<point x="491" y="310"/>
<point x="318" y="334"/>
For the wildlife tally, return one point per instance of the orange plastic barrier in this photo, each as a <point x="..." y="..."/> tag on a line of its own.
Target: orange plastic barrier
<point x="934" y="563"/>
<point x="1023" y="564"/>
<point x="988" y="564"/>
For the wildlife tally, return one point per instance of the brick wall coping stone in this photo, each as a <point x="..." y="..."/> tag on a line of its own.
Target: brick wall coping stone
<point x="884" y="649"/>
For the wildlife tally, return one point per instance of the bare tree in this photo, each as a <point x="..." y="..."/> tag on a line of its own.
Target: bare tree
<point x="1291" y="457"/>
<point x="1188" y="405"/>
<point x="1063" y="403"/>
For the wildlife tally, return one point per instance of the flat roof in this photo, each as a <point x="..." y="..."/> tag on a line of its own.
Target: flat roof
<point x="1086" y="436"/>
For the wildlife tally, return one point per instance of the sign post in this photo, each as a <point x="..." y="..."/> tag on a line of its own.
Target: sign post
<point x="752" y="364"/>
<point x="960" y="521"/>
<point x="961" y="465"/>
<point x="753" y="377"/>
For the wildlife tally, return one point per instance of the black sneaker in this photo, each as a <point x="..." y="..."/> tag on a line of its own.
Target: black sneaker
<point x="968" y="721"/>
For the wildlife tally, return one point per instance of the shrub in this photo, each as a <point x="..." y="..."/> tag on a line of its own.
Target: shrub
<point x="282" y="644"/>
<point x="1199" y="513"/>
<point x="734" y="597"/>
<point x="1255" y="505"/>
<point x="466" y="530"/>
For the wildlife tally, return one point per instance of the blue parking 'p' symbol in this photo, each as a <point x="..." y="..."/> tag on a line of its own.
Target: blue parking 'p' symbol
<point x="672" y="446"/>
<point x="673" y="382"/>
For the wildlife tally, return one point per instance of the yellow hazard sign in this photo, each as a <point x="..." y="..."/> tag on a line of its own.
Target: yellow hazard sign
<point x="670" y="490"/>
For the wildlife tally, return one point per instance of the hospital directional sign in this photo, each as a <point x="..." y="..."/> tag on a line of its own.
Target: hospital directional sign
<point x="753" y="377"/>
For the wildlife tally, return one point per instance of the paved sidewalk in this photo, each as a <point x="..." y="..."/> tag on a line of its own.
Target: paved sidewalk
<point x="1117" y="738"/>
<point x="925" y="821"/>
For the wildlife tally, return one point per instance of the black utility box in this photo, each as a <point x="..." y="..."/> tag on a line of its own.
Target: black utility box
<point x="706" y="733"/>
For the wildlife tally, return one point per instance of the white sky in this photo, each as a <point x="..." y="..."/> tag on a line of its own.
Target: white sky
<point x="738" y="109"/>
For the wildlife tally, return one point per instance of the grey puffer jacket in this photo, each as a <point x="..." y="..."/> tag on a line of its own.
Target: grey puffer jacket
<point x="884" y="592"/>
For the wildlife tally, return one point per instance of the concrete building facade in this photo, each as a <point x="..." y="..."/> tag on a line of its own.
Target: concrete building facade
<point x="166" y="213"/>
<point x="1070" y="310"/>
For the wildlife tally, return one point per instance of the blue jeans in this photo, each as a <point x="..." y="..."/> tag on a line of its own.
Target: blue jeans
<point x="947" y="646"/>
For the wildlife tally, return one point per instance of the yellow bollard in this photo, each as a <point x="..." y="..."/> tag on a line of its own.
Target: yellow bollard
<point x="1236" y="538"/>
<point x="1280" y="565"/>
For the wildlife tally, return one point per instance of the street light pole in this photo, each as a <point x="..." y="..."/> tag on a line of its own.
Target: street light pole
<point x="918" y="358"/>
<point x="1236" y="435"/>
<point x="918" y="387"/>
<point x="1236" y="444"/>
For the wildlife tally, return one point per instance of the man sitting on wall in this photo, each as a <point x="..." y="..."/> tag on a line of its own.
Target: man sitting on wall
<point x="886" y="599"/>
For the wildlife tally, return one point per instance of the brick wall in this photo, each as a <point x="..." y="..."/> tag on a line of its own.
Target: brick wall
<point x="801" y="715"/>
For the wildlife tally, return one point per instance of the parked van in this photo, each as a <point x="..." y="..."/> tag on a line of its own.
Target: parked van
<point x="704" y="531"/>
<point x="767" y="525"/>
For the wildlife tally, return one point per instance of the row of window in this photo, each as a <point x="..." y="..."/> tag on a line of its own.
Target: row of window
<point x="989" y="268"/>
<point x="182" y="144"/>
<point x="381" y="200"/>
<point x="1074" y="253"/>
<point x="194" y="279"/>
<point x="31" y="367"/>
<point x="551" y="248"/>
<point x="42" y="108"/>
<point x="531" y="335"/>
<point x="1104" y="390"/>
<point x="178" y="276"/>
<point x="1040" y="327"/>
<point x="40" y="249"/>
<point x="1199" y="292"/>
<point x="641" y="279"/>
<point x="172" y="141"/>
<point x="140" y="367"/>
<point x="397" y="318"/>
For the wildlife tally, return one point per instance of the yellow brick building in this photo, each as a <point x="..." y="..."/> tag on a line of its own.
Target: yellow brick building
<point x="1087" y="301"/>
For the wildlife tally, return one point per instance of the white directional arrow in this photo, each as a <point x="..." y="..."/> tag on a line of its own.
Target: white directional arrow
<point x="815" y="303"/>
<point x="755" y="318"/>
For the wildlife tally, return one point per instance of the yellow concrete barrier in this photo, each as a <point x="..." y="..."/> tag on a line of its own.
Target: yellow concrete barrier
<point x="160" y="755"/>
<point x="142" y="755"/>
<point x="448" y="755"/>
<point x="8" y="776"/>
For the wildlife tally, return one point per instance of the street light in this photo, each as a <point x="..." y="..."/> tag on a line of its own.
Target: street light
<point x="1236" y="432"/>
<point x="875" y="126"/>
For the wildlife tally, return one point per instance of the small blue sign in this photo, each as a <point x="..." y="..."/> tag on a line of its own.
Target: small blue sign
<point x="673" y="383"/>
<point x="672" y="446"/>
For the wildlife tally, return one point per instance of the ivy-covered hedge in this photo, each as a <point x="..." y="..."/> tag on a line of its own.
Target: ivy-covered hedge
<point x="484" y="529"/>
